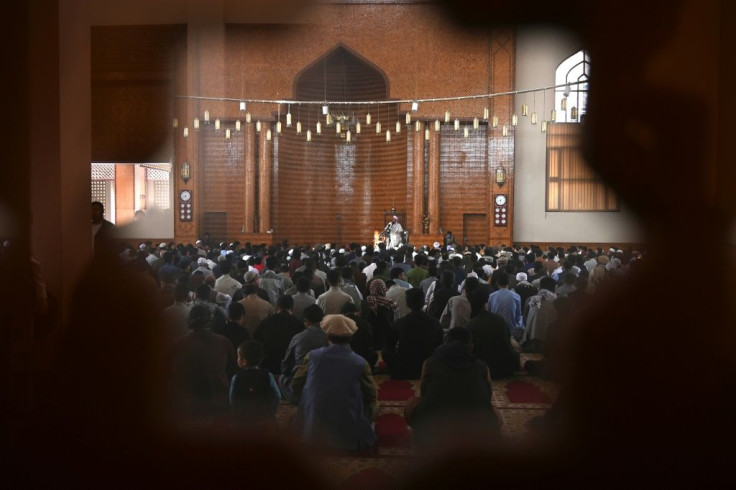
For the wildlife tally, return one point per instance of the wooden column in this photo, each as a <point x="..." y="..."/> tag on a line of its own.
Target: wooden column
<point x="434" y="180"/>
<point x="264" y="180"/>
<point x="124" y="194"/>
<point x="249" y="161"/>
<point x="501" y="147"/>
<point x="418" y="184"/>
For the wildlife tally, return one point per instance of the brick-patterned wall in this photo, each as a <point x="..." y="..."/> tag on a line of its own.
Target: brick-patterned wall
<point x="419" y="56"/>
<point x="464" y="178"/>
<point x="416" y="53"/>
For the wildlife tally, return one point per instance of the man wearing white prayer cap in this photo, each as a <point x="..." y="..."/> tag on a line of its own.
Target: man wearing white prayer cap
<point x="394" y="233"/>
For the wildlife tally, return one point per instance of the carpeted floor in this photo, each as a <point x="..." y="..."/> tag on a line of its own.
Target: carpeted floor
<point x="516" y="400"/>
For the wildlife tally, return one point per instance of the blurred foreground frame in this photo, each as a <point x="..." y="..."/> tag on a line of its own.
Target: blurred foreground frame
<point x="646" y="397"/>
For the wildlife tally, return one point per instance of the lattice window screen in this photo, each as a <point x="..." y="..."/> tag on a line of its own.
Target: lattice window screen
<point x="161" y="194"/>
<point x="100" y="192"/>
<point x="157" y="173"/>
<point x="103" y="171"/>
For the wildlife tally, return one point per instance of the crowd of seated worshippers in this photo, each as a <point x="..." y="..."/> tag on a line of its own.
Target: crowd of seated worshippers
<point x="264" y="306"/>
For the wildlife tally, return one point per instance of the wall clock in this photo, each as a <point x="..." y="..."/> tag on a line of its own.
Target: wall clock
<point x="185" y="205"/>
<point x="500" y="211"/>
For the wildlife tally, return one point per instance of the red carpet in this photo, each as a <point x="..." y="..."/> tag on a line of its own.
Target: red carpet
<point x="392" y="431"/>
<point x="523" y="392"/>
<point x="395" y="390"/>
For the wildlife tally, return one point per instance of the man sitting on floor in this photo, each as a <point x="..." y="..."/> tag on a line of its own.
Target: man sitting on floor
<point x="412" y="339"/>
<point x="457" y="311"/>
<point x="276" y="332"/>
<point x="338" y="396"/>
<point x="507" y="303"/>
<point x="541" y="313"/>
<point x="202" y="364"/>
<point x="455" y="400"/>
<point x="491" y="338"/>
<point x="312" y="337"/>
<point x="332" y="300"/>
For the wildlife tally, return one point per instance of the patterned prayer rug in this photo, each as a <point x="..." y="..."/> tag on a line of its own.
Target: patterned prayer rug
<point x="516" y="400"/>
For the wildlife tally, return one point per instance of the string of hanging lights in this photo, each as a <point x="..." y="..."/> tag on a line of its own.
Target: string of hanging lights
<point x="348" y="126"/>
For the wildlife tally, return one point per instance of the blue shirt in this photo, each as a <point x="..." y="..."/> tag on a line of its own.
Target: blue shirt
<point x="338" y="398"/>
<point x="506" y="303"/>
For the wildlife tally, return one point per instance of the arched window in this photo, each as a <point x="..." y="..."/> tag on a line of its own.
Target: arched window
<point x="571" y="100"/>
<point x="571" y="184"/>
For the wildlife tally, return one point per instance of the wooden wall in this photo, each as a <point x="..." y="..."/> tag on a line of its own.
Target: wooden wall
<point x="135" y="73"/>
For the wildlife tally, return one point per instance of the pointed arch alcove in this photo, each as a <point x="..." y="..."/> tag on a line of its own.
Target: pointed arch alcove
<point x="329" y="189"/>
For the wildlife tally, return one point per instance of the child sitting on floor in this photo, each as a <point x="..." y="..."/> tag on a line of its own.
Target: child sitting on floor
<point x="254" y="395"/>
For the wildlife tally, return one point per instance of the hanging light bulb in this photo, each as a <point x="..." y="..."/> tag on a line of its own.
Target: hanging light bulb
<point x="475" y="123"/>
<point x="417" y="126"/>
<point x="175" y="123"/>
<point x="298" y="127"/>
<point x="268" y="135"/>
<point x="348" y="136"/>
<point x="319" y="127"/>
<point x="495" y="121"/>
<point x="186" y="132"/>
<point x="524" y="109"/>
<point x="457" y="124"/>
<point x="206" y="117"/>
<point x="563" y="104"/>
<point x="247" y="117"/>
<point x="378" y="127"/>
<point x="544" y="126"/>
<point x="514" y="120"/>
<point x="196" y="123"/>
<point x="278" y="127"/>
<point x="368" y="119"/>
<point x="242" y="105"/>
<point x="258" y="126"/>
<point x="486" y="113"/>
<point x="553" y="115"/>
<point x="288" y="119"/>
<point x="309" y="135"/>
<point x="338" y="127"/>
<point x="398" y="127"/>
<point x="408" y="118"/>
<point x="415" y="106"/>
<point x="465" y="132"/>
<point x="357" y="127"/>
<point x="574" y="113"/>
<point x="238" y="126"/>
<point x="436" y="124"/>
<point x="325" y="110"/>
<point x="227" y="134"/>
<point x="534" y="118"/>
<point x="388" y="136"/>
<point x="217" y="125"/>
<point x="328" y="119"/>
<point x="505" y="130"/>
<point x="426" y="134"/>
<point x="447" y="117"/>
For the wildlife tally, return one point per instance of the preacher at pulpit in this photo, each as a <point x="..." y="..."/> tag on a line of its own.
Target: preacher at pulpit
<point x="394" y="233"/>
